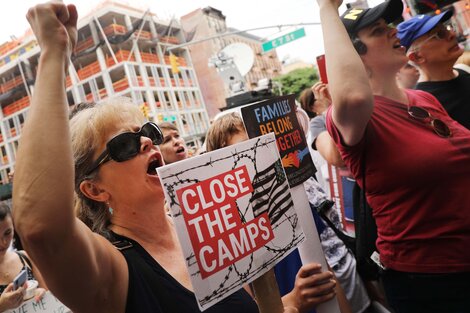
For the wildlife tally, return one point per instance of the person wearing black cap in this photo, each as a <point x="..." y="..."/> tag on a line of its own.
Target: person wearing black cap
<point x="432" y="46"/>
<point x="410" y="157"/>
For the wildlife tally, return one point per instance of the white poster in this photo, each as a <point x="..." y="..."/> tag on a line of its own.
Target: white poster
<point x="234" y="215"/>
<point x="48" y="304"/>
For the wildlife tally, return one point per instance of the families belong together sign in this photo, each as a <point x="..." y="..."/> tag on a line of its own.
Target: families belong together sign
<point x="234" y="215"/>
<point x="278" y="115"/>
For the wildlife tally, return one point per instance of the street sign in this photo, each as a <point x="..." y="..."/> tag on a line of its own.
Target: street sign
<point x="279" y="41"/>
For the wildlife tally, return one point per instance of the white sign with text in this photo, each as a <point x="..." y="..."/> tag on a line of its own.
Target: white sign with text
<point x="48" y="304"/>
<point x="234" y="215"/>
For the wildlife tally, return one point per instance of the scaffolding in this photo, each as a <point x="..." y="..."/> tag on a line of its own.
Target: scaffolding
<point x="131" y="59"/>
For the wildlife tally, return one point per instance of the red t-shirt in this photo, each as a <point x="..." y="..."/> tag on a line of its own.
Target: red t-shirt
<point x="417" y="184"/>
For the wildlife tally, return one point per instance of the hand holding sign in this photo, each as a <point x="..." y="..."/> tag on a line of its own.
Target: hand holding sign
<point x="312" y="287"/>
<point x="257" y="119"/>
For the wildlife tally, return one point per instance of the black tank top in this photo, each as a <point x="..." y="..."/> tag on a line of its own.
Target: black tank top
<point x="153" y="290"/>
<point x="28" y="268"/>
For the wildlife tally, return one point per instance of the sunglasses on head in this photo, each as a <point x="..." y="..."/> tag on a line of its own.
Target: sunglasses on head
<point x="439" y="126"/>
<point x="442" y="32"/>
<point x="127" y="145"/>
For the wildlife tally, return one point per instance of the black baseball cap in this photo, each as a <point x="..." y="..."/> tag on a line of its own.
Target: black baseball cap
<point x="355" y="19"/>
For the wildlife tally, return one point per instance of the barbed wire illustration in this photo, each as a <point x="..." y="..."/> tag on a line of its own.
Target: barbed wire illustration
<point x="271" y="194"/>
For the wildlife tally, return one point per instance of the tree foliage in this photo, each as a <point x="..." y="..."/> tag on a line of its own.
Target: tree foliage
<point x="296" y="81"/>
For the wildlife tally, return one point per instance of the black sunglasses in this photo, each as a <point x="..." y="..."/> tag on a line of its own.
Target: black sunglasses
<point x="127" y="145"/>
<point x="439" y="126"/>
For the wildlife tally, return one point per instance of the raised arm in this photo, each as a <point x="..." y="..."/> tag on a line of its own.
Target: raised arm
<point x="76" y="264"/>
<point x="348" y="82"/>
<point x="322" y="141"/>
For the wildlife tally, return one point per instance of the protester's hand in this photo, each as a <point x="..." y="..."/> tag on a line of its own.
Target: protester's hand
<point x="322" y="97"/>
<point x="39" y="294"/>
<point x="290" y="309"/>
<point x="312" y="287"/>
<point x="335" y="3"/>
<point x="55" y="26"/>
<point x="10" y="298"/>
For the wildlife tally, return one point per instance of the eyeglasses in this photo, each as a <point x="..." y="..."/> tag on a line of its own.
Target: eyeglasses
<point x="127" y="145"/>
<point x="439" y="126"/>
<point x="442" y="32"/>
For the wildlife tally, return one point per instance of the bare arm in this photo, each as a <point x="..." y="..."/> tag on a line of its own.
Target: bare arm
<point x="323" y="142"/>
<point x="62" y="247"/>
<point x="348" y="82"/>
<point x="343" y="302"/>
<point x="328" y="150"/>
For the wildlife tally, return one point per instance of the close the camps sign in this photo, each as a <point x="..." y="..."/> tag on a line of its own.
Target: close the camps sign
<point x="217" y="234"/>
<point x="278" y="115"/>
<point x="234" y="215"/>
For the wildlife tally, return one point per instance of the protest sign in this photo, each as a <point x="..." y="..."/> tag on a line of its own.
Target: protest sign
<point x="277" y="115"/>
<point x="48" y="304"/>
<point x="234" y="215"/>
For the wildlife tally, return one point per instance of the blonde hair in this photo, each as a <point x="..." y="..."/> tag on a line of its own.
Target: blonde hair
<point x="89" y="127"/>
<point x="221" y="129"/>
<point x="167" y="126"/>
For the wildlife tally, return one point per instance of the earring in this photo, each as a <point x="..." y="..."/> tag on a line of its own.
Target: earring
<point x="110" y="209"/>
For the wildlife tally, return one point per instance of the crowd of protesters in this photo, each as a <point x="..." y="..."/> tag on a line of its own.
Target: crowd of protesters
<point x="100" y="232"/>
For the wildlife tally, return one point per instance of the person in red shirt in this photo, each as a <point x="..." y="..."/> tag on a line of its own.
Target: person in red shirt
<point x="411" y="158"/>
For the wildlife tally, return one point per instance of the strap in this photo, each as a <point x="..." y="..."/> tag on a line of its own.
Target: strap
<point x="24" y="259"/>
<point x="130" y="253"/>
<point x="363" y="161"/>
<point x="122" y="244"/>
<point x="372" y="257"/>
<point x="348" y="241"/>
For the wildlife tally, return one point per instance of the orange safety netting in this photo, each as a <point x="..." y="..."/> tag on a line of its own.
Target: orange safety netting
<point x="89" y="70"/>
<point x="114" y="29"/>
<point x="16" y="106"/>
<point x="84" y="44"/>
<point x="10" y="84"/>
<point x="9" y="45"/>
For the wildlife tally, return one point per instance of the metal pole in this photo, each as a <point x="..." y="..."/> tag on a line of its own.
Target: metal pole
<point x="237" y="32"/>
<point x="134" y="44"/>
<point x="24" y="79"/>
<point x="106" y="40"/>
<point x="173" y="20"/>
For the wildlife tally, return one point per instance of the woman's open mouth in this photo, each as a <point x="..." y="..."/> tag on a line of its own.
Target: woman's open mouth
<point x="155" y="163"/>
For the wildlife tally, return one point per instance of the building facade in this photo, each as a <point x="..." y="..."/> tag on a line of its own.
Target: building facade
<point x="210" y="22"/>
<point x="121" y="51"/>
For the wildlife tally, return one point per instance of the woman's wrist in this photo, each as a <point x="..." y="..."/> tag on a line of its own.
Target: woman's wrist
<point x="327" y="7"/>
<point x="54" y="55"/>
<point x="2" y="305"/>
<point x="288" y="300"/>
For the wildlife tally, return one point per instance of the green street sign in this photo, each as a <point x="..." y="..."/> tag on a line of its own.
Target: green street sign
<point x="279" y="41"/>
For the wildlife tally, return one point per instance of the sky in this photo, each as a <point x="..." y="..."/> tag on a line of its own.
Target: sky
<point x="240" y="14"/>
